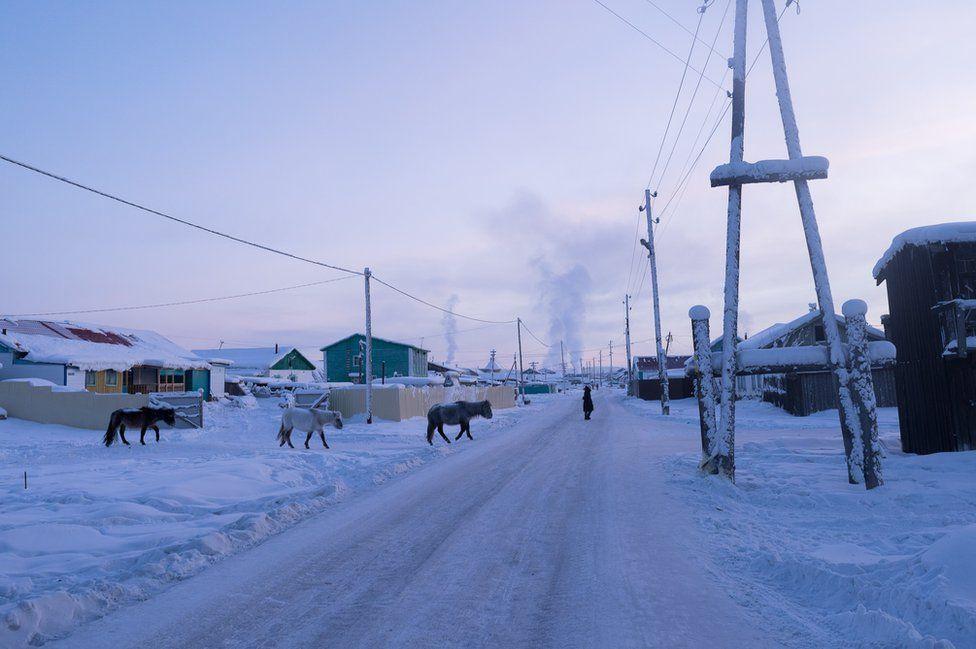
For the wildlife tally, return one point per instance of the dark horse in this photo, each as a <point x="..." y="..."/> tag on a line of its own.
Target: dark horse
<point x="452" y="414"/>
<point x="143" y="418"/>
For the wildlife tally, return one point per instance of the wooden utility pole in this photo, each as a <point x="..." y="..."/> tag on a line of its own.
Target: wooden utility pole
<point x="630" y="370"/>
<point x="521" y="371"/>
<point x="611" y="361"/>
<point x="369" y="352"/>
<point x="662" y="370"/>
<point x="599" y="377"/>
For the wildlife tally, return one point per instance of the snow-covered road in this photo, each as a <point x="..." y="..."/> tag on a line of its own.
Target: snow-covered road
<point x="559" y="533"/>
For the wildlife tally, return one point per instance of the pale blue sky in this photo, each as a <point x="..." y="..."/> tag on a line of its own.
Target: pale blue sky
<point x="448" y="145"/>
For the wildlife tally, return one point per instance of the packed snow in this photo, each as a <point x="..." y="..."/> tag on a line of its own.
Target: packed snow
<point x="766" y="171"/>
<point x="895" y="566"/>
<point x="100" y="527"/>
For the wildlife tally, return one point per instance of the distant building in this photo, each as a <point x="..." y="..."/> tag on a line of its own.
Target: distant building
<point x="647" y="382"/>
<point x="645" y="367"/>
<point x="279" y="362"/>
<point x="99" y="358"/>
<point x="930" y="273"/>
<point x="343" y="359"/>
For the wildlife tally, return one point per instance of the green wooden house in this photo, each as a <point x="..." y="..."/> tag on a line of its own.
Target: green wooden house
<point x="343" y="359"/>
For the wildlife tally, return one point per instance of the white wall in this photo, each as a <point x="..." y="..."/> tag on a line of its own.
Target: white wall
<point x="218" y="374"/>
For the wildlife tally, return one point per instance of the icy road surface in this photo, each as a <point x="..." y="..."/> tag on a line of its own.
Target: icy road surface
<point x="559" y="533"/>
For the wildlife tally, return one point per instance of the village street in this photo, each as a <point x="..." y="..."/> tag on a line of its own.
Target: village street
<point x="561" y="532"/>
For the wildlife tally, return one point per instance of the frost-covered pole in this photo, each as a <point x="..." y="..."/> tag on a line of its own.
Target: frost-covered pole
<point x="562" y="357"/>
<point x="610" y="376"/>
<point x="849" y="422"/>
<point x="705" y="389"/>
<point x="518" y="328"/>
<point x="662" y="369"/>
<point x="725" y="440"/>
<point x="599" y="377"/>
<point x="630" y="370"/>
<point x="862" y="390"/>
<point x="369" y="352"/>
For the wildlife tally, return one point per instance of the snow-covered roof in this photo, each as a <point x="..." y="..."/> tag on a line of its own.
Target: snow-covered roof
<point x="780" y="330"/>
<point x="250" y="358"/>
<point x="961" y="232"/>
<point x="94" y="347"/>
<point x="385" y="340"/>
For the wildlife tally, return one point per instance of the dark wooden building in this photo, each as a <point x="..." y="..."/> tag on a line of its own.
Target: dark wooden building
<point x="930" y="273"/>
<point x="647" y="385"/>
<point x="804" y="393"/>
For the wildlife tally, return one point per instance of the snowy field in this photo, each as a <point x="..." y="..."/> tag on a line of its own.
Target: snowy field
<point x="895" y="567"/>
<point x="100" y="527"/>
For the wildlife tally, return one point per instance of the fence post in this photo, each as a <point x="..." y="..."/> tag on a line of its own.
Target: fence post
<point x="704" y="387"/>
<point x="862" y="390"/>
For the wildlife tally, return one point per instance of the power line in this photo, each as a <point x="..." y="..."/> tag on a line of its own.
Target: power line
<point x="174" y="218"/>
<point x="650" y="38"/>
<point x="694" y="95"/>
<point x="434" y="306"/>
<point x="682" y="26"/>
<point x="718" y="122"/>
<point x="534" y="336"/>
<point x="168" y="304"/>
<point x="674" y="104"/>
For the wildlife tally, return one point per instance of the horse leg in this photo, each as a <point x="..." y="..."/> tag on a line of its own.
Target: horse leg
<point x="440" y="429"/>
<point x="430" y="432"/>
<point x="308" y="437"/>
<point x="122" y="434"/>
<point x="460" y="432"/>
<point x="322" y="435"/>
<point x="142" y="434"/>
<point x="288" y="438"/>
<point x="467" y="429"/>
<point x="156" y="428"/>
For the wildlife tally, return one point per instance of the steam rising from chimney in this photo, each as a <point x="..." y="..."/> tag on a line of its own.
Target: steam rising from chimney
<point x="449" y="322"/>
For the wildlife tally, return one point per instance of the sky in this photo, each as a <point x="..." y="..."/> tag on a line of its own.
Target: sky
<point x="490" y="155"/>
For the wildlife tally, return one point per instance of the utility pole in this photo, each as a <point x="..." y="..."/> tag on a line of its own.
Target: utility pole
<point x="369" y="352"/>
<point x="492" y="366"/>
<point x="599" y="377"/>
<point x="611" y="359"/>
<point x="630" y="370"/>
<point x="662" y="372"/>
<point x="521" y="371"/>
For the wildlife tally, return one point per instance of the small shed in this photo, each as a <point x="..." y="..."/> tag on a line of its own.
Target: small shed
<point x="279" y="362"/>
<point x="343" y="359"/>
<point x="647" y="384"/>
<point x="930" y="274"/>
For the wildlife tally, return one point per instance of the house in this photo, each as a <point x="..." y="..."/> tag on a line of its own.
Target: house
<point x="99" y="358"/>
<point x="343" y="359"/>
<point x="278" y="362"/>
<point x="647" y="383"/>
<point x="930" y="276"/>
<point x="804" y="393"/>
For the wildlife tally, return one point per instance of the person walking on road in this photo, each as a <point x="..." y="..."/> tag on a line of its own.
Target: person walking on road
<point x="587" y="402"/>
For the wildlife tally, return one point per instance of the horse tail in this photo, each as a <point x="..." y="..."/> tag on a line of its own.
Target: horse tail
<point x="281" y="433"/>
<point x="113" y="426"/>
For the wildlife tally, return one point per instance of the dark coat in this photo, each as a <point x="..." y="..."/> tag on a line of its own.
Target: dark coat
<point x="587" y="400"/>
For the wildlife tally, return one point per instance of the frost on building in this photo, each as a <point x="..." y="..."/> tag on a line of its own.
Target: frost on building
<point x="804" y="393"/>
<point x="930" y="275"/>
<point x="99" y="358"/>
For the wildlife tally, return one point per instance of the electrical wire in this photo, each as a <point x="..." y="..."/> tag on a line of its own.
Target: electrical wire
<point x="682" y="26"/>
<point x="544" y="344"/>
<point x="177" y="303"/>
<point x="650" y="38"/>
<point x="434" y="306"/>
<point x="175" y="219"/>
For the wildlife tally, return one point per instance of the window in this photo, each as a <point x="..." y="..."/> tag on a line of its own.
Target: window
<point x="90" y="378"/>
<point x="111" y="378"/>
<point x="818" y="334"/>
<point x="355" y="360"/>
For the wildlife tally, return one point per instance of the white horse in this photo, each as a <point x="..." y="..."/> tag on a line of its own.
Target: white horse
<point x="310" y="420"/>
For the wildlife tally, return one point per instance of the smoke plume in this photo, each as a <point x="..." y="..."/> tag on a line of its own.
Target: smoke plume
<point x="449" y="322"/>
<point x="563" y="298"/>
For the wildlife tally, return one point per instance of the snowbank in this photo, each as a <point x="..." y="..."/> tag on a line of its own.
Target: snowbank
<point x="100" y="527"/>
<point x="894" y="567"/>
